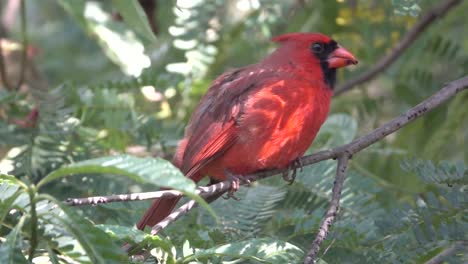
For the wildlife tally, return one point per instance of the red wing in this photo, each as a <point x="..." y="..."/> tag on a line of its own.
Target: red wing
<point x="212" y="129"/>
<point x="218" y="145"/>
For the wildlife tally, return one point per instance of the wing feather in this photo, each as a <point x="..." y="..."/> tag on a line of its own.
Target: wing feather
<point x="213" y="127"/>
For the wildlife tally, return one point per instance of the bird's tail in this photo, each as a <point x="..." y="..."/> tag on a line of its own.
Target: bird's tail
<point x="160" y="209"/>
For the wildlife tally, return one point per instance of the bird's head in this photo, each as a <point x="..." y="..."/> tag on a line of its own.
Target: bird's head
<point x="309" y="50"/>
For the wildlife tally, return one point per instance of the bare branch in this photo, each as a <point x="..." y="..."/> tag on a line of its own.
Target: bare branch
<point x="413" y="34"/>
<point x="439" y="258"/>
<point x="355" y="146"/>
<point x="173" y="216"/>
<point x="342" y="153"/>
<point x="128" y="197"/>
<point x="363" y="142"/>
<point x="332" y="211"/>
<point x="122" y="198"/>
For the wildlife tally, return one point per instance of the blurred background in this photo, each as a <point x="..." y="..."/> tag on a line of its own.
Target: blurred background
<point x="100" y="78"/>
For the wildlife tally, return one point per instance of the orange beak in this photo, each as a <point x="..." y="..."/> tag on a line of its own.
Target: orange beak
<point x="341" y="58"/>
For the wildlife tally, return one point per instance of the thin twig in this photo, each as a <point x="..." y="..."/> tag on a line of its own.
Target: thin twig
<point x="122" y="197"/>
<point x="412" y="35"/>
<point x="328" y="247"/>
<point x="439" y="258"/>
<point x="209" y="193"/>
<point x="332" y="211"/>
<point x="359" y="144"/>
<point x="173" y="216"/>
<point x="448" y="91"/>
<point x="342" y="153"/>
<point x="128" y="197"/>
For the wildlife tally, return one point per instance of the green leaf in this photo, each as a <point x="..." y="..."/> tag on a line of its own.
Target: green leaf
<point x="337" y="130"/>
<point x="119" y="43"/>
<point x="7" y="96"/>
<point x="52" y="255"/>
<point x="144" y="170"/>
<point x="406" y="7"/>
<point x="50" y="145"/>
<point x="10" y="249"/>
<point x="265" y="250"/>
<point x="129" y="234"/>
<point x="134" y="15"/>
<point x="12" y="180"/>
<point x="443" y="173"/>
<point x="247" y="217"/>
<point x="98" y="246"/>
<point x="10" y="189"/>
<point x="135" y="236"/>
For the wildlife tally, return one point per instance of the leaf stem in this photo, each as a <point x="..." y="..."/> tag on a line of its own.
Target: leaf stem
<point x="32" y="190"/>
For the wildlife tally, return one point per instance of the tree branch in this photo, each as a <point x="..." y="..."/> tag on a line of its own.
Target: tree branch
<point x="128" y="197"/>
<point x="94" y="200"/>
<point x="413" y="34"/>
<point x="332" y="211"/>
<point x="173" y="216"/>
<point x="342" y="153"/>
<point x="448" y="91"/>
<point x="437" y="259"/>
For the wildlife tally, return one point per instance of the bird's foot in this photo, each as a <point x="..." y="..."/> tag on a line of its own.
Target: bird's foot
<point x="294" y="165"/>
<point x="235" y="184"/>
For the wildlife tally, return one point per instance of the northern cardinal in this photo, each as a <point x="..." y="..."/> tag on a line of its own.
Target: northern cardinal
<point x="262" y="116"/>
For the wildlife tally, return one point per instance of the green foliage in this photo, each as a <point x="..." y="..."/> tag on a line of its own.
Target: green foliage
<point x="123" y="95"/>
<point x="258" y="250"/>
<point x="138" y="169"/>
<point x="247" y="218"/>
<point x="444" y="173"/>
<point x="44" y="220"/>
<point x="111" y="36"/>
<point x="135" y="17"/>
<point x="141" y="170"/>
<point x="49" y="144"/>
<point x="405" y="7"/>
<point x="11" y="248"/>
<point x="93" y="242"/>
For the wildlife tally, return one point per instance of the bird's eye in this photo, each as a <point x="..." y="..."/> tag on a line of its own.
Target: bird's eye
<point x="317" y="48"/>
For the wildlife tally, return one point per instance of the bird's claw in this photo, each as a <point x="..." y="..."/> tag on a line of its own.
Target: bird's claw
<point x="294" y="165"/>
<point x="287" y="178"/>
<point x="298" y="163"/>
<point x="230" y="195"/>
<point x="235" y="184"/>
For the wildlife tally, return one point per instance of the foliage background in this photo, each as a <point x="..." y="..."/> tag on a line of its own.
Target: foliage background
<point x="106" y="87"/>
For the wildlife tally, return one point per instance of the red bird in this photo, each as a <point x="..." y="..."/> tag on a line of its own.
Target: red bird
<point x="262" y="116"/>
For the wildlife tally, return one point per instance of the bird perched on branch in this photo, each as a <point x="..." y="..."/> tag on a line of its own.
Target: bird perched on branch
<point x="262" y="116"/>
